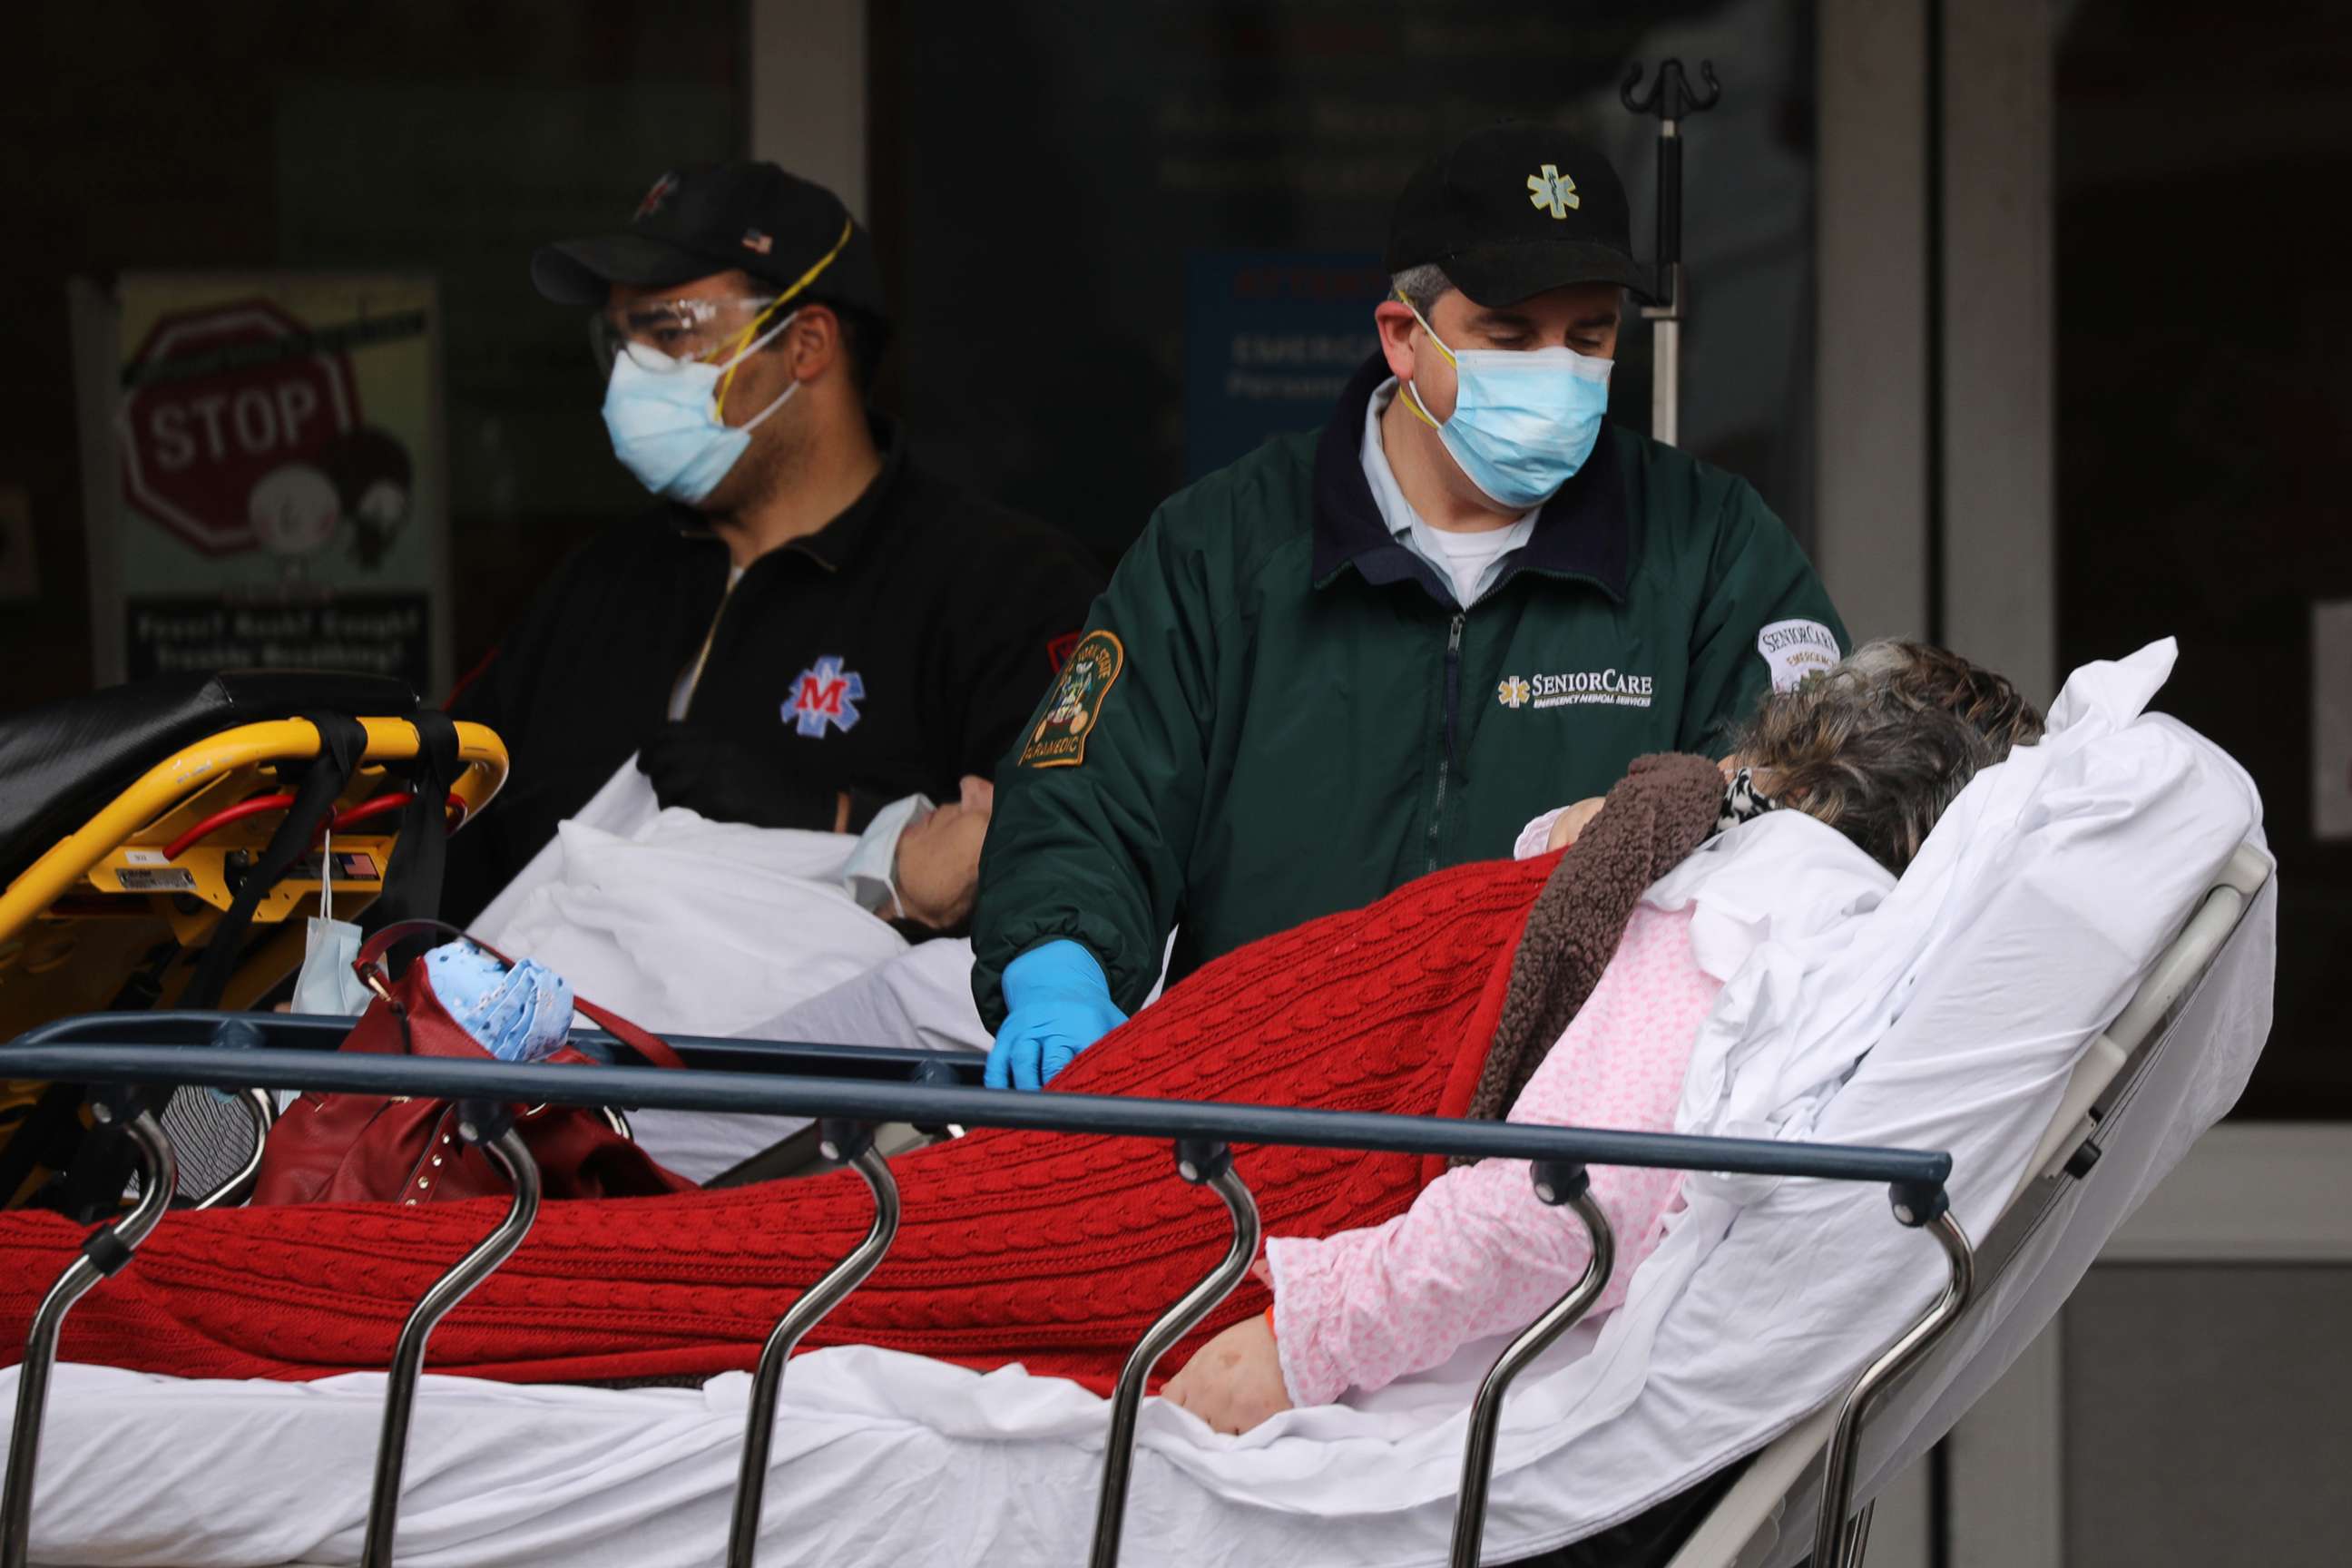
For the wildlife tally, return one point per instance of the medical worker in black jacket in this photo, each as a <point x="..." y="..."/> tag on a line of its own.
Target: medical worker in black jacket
<point x="812" y="625"/>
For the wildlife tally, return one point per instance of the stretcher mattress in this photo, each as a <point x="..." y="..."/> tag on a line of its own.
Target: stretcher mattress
<point x="1944" y="1011"/>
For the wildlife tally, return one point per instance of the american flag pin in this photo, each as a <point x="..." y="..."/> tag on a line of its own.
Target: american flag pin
<point x="755" y="240"/>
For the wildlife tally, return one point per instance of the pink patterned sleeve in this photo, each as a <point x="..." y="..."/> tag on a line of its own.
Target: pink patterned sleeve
<point x="1477" y="1253"/>
<point x="1535" y="838"/>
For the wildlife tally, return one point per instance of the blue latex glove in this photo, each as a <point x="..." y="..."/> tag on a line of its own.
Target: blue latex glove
<point x="1057" y="1003"/>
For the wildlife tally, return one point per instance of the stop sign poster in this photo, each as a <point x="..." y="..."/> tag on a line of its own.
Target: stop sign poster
<point x="280" y="486"/>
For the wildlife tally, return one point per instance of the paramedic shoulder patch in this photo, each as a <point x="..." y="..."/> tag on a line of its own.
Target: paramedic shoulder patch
<point x="1059" y="740"/>
<point x="1795" y="649"/>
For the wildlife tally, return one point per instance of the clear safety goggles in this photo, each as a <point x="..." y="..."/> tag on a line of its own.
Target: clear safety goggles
<point x="666" y="335"/>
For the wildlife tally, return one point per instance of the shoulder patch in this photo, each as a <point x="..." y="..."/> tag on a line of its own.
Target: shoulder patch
<point x="1059" y="740"/>
<point x="1792" y="650"/>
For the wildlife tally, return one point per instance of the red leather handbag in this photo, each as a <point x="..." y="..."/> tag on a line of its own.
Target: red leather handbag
<point x="363" y="1148"/>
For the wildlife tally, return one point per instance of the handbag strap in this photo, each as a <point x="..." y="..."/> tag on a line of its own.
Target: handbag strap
<point x="372" y="953"/>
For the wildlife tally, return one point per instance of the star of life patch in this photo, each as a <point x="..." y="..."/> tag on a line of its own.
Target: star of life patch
<point x="1059" y="739"/>
<point x="1792" y="650"/>
<point x="825" y="695"/>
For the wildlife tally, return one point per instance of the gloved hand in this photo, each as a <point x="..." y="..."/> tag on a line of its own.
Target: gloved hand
<point x="1057" y="1003"/>
<point x="729" y="779"/>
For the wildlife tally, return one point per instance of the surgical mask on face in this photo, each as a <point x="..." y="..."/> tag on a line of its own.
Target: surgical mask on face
<point x="664" y="424"/>
<point x="1524" y="420"/>
<point x="871" y="873"/>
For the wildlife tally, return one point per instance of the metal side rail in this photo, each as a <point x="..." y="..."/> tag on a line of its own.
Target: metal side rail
<point x="106" y="1051"/>
<point x="1201" y="1164"/>
<point x="325" y="1032"/>
<point x="105" y="1252"/>
<point x="848" y="1143"/>
<point x="488" y="1126"/>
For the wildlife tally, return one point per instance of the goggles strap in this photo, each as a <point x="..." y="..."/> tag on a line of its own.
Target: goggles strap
<point x="805" y="279"/>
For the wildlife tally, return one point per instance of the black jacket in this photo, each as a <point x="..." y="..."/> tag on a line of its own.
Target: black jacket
<point x="896" y="649"/>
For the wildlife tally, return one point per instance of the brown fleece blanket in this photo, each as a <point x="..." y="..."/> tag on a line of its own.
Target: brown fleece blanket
<point x="1664" y="808"/>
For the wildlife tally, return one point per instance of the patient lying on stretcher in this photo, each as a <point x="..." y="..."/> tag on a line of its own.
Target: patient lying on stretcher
<point x="1545" y="987"/>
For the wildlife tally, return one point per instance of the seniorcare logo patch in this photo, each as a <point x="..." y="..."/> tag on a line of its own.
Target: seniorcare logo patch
<point x="1581" y="689"/>
<point x="1792" y="650"/>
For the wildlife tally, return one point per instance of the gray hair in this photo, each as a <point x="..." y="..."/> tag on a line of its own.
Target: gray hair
<point x="1422" y="284"/>
<point x="1879" y="744"/>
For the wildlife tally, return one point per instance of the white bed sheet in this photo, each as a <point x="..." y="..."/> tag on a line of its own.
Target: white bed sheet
<point x="2036" y="906"/>
<point x="693" y="927"/>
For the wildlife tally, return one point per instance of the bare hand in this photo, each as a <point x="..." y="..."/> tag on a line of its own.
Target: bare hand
<point x="1234" y="1382"/>
<point x="1570" y="823"/>
<point x="939" y="858"/>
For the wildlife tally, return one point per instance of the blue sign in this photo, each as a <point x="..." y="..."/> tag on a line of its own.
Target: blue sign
<point x="1271" y="338"/>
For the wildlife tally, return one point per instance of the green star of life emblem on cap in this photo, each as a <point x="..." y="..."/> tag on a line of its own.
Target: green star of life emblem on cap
<point x="1553" y="190"/>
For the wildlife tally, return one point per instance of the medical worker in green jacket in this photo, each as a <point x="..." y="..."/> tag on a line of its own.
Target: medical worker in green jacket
<point x="1357" y="656"/>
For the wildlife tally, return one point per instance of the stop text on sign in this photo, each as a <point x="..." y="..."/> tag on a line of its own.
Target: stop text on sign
<point x="218" y="400"/>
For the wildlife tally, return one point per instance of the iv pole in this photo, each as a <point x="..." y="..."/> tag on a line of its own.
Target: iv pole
<point x="1670" y="98"/>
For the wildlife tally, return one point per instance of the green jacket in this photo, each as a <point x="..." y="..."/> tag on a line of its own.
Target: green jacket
<point x="1278" y="710"/>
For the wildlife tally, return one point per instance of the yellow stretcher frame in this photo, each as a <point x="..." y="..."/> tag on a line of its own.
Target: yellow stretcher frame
<point x="165" y="799"/>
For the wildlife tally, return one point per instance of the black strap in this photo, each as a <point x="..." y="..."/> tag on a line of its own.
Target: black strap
<point x="105" y="1249"/>
<point x="420" y="856"/>
<point x="340" y="742"/>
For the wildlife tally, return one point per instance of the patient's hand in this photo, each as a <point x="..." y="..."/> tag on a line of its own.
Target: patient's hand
<point x="939" y="858"/>
<point x="1571" y="822"/>
<point x="1234" y="1380"/>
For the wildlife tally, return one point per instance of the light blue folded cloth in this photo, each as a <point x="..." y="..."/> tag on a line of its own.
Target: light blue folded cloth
<point x="518" y="1014"/>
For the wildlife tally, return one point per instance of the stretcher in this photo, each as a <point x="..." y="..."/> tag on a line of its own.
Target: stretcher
<point x="165" y="842"/>
<point x="1200" y="1133"/>
<point x="2070" y="985"/>
<point x="1813" y="1483"/>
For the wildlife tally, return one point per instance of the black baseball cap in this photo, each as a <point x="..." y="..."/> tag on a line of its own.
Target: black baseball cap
<point x="1514" y="209"/>
<point x="716" y="218"/>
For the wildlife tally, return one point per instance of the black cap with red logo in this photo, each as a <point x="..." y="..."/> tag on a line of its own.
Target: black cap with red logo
<point x="707" y="218"/>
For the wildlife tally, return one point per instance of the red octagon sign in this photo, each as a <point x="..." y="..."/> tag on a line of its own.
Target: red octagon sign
<point x="215" y="401"/>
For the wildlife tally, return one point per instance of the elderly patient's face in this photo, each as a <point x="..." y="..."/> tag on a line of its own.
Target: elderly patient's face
<point x="939" y="858"/>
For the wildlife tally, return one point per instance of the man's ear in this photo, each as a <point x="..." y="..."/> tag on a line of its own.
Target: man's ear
<point x="1399" y="336"/>
<point x="814" y="341"/>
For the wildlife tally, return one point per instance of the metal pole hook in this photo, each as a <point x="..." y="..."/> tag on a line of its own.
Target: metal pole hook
<point x="1670" y="96"/>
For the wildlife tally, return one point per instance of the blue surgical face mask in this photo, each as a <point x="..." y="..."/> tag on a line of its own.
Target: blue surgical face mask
<point x="1524" y="420"/>
<point x="666" y="427"/>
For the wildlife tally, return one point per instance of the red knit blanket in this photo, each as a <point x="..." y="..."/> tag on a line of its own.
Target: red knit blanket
<point x="1043" y="1248"/>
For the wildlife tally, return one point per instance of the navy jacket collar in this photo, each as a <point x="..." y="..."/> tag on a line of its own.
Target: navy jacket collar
<point x="1586" y="530"/>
